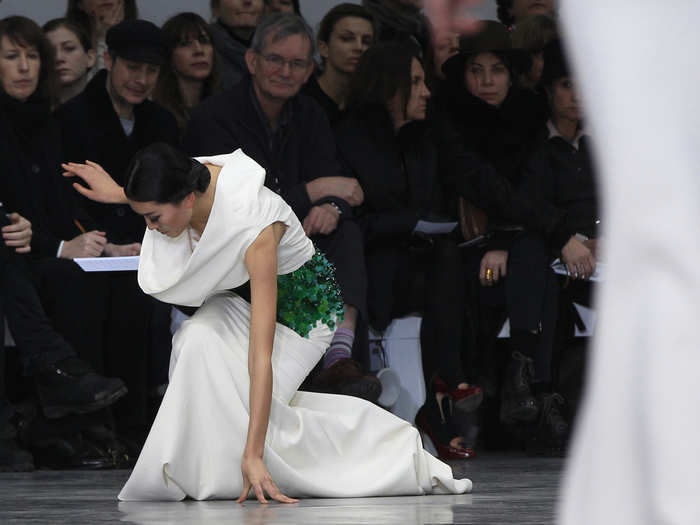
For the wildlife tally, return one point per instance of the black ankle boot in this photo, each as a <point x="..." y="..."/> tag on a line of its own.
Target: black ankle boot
<point x="517" y="402"/>
<point x="70" y="386"/>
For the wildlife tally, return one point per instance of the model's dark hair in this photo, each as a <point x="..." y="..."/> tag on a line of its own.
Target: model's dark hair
<point x="74" y="27"/>
<point x="25" y="32"/>
<point x="74" y="11"/>
<point x="167" y="92"/>
<point x="384" y="70"/>
<point x="504" y="12"/>
<point x="332" y="17"/>
<point x="160" y="173"/>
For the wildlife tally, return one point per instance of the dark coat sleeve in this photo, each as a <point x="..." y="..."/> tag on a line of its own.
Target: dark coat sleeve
<point x="538" y="185"/>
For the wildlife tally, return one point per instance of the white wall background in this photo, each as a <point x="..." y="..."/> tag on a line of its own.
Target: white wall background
<point x="160" y="10"/>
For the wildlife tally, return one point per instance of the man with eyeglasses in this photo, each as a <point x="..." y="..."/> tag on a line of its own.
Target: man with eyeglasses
<point x="288" y="134"/>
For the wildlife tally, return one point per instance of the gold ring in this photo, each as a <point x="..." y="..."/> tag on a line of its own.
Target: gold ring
<point x="489" y="274"/>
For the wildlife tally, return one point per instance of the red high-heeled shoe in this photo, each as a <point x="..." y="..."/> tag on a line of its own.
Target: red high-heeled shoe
<point x="434" y="424"/>
<point x="465" y="400"/>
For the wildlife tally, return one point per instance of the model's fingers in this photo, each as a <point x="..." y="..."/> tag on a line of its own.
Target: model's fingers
<point x="244" y="492"/>
<point x="259" y="493"/>
<point x="276" y="494"/>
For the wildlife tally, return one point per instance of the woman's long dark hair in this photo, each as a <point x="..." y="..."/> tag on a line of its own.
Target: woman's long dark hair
<point x="384" y="70"/>
<point x="160" y="173"/>
<point x="167" y="92"/>
<point x="24" y="32"/>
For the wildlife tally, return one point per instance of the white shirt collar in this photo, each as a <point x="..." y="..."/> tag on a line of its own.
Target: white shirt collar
<point x="554" y="132"/>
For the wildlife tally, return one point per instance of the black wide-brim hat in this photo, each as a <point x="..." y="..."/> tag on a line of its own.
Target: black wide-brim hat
<point x="137" y="40"/>
<point x="493" y="38"/>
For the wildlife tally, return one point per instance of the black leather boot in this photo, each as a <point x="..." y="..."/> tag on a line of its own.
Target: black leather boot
<point x="517" y="402"/>
<point x="70" y="386"/>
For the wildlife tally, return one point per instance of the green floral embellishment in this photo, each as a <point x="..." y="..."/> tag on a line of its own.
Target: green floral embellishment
<point x="309" y="295"/>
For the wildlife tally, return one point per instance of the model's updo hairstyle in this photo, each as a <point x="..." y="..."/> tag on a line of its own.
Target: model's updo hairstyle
<point x="160" y="173"/>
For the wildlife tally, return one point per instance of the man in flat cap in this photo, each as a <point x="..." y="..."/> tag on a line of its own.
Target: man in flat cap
<point x="108" y="123"/>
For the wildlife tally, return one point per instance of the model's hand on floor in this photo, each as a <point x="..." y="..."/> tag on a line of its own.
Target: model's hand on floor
<point x="256" y="477"/>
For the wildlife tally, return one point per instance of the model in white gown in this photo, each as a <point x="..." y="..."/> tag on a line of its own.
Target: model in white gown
<point x="317" y="445"/>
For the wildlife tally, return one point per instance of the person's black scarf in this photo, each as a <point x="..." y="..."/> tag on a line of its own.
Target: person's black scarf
<point x="25" y="118"/>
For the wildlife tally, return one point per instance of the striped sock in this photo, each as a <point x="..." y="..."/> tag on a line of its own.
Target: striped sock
<point x="340" y="348"/>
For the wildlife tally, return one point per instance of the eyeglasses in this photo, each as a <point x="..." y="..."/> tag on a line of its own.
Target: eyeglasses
<point x="202" y="38"/>
<point x="277" y="62"/>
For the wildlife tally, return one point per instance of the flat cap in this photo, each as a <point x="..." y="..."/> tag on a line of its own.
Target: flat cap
<point x="137" y="40"/>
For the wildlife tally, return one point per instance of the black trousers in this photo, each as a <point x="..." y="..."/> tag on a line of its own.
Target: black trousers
<point x="107" y="318"/>
<point x="37" y="341"/>
<point x="429" y="279"/>
<point x="528" y="296"/>
<point x="345" y="249"/>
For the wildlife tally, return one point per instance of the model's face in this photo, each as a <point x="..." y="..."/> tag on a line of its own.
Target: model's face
<point x="282" y="67"/>
<point x="524" y="8"/>
<point x="72" y="61"/>
<point x="193" y="57"/>
<point x="168" y="219"/>
<point x="131" y="81"/>
<point x="20" y="68"/>
<point x="444" y="48"/>
<point x="240" y="13"/>
<point x="350" y="38"/>
<point x="281" y="6"/>
<point x="488" y="78"/>
<point x="563" y="100"/>
<point x="417" y="106"/>
<point x="102" y="9"/>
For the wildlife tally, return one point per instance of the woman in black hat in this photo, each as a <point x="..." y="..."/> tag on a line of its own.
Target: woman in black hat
<point x="488" y="133"/>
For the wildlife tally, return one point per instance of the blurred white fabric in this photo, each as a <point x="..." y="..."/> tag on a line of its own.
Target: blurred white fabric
<point x="636" y="453"/>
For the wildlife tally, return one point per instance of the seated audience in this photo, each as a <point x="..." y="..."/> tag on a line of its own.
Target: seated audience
<point x="31" y="184"/>
<point x="283" y="6"/>
<point x="97" y="17"/>
<point x="561" y="176"/>
<point x="232" y="32"/>
<point x="513" y="12"/>
<point x="387" y="146"/>
<point x="75" y="56"/>
<point x="113" y="118"/>
<point x="400" y="20"/>
<point x="489" y="135"/>
<point x="107" y="124"/>
<point x="190" y="74"/>
<point x="345" y="33"/>
<point x="288" y="134"/>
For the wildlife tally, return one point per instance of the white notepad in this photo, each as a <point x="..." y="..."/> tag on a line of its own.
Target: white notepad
<point x="108" y="264"/>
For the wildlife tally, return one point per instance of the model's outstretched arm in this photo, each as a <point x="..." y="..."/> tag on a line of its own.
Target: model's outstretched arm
<point x="101" y="187"/>
<point x="261" y="261"/>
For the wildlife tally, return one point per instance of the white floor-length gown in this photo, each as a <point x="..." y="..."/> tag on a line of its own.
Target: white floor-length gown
<point x="317" y="445"/>
<point x="636" y="454"/>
